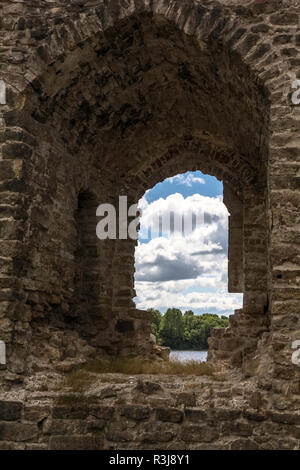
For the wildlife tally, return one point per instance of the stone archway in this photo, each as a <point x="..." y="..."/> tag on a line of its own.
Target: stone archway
<point x="110" y="101"/>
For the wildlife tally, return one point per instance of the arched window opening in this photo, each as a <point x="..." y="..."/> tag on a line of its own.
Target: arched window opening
<point x="182" y="259"/>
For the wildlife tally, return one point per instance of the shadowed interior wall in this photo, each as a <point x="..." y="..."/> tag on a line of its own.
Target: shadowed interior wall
<point x="235" y="241"/>
<point x="114" y="116"/>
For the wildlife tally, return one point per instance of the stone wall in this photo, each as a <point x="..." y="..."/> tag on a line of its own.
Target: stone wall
<point x="151" y="412"/>
<point x="109" y="98"/>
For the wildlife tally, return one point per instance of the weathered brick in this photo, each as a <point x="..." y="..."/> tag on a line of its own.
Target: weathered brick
<point x="196" y="415"/>
<point x="148" y="387"/>
<point x="36" y="413"/>
<point x="171" y="415"/>
<point x="102" y="412"/>
<point x="186" y="398"/>
<point x="16" y="150"/>
<point x="136" y="412"/>
<point x="70" y="412"/>
<point x="244" y="444"/>
<point x="75" y="443"/>
<point x="17" y="432"/>
<point x="65" y="426"/>
<point x="285" y="418"/>
<point x="4" y="445"/>
<point x="199" y="433"/>
<point x="10" y="410"/>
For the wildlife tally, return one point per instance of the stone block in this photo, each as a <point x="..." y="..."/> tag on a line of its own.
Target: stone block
<point x="70" y="412"/>
<point x="17" y="432"/>
<point x="196" y="415"/>
<point x="4" y="445"/>
<point x="157" y="437"/>
<point x="171" y="415"/>
<point x="34" y="446"/>
<point x="148" y="388"/>
<point x="186" y="399"/>
<point x="10" y="410"/>
<point x="244" y="444"/>
<point x="36" y="413"/>
<point x="16" y="150"/>
<point x="199" y="433"/>
<point x="285" y="418"/>
<point x="243" y="428"/>
<point x="102" y="412"/>
<point x="136" y="412"/>
<point x="65" y="426"/>
<point x="75" y="443"/>
<point x="115" y="434"/>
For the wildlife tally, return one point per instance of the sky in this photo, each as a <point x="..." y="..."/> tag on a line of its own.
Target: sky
<point x="184" y="270"/>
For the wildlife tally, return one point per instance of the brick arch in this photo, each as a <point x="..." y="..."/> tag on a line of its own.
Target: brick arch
<point x="39" y="131"/>
<point x="191" y="154"/>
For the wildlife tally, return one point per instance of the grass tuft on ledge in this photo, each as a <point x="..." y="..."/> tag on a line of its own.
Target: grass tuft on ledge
<point x="80" y="379"/>
<point x="137" y="366"/>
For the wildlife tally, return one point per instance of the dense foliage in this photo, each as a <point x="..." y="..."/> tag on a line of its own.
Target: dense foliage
<point x="188" y="331"/>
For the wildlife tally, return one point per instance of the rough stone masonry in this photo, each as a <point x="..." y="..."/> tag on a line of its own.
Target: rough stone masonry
<point x="104" y="98"/>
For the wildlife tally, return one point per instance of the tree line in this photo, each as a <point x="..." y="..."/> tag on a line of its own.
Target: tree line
<point x="185" y="331"/>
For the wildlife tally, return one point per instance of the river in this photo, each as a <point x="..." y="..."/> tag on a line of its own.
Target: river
<point x="189" y="355"/>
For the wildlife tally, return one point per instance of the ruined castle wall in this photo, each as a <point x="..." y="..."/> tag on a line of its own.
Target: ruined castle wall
<point x="105" y="98"/>
<point x="123" y="412"/>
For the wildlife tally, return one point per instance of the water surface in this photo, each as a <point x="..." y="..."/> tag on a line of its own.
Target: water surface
<point x="189" y="355"/>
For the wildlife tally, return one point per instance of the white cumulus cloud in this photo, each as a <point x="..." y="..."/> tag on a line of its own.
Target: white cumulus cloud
<point x="188" y="179"/>
<point x="190" y="271"/>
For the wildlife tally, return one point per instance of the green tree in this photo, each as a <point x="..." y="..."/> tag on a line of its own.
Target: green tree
<point x="197" y="338"/>
<point x="189" y="313"/>
<point x="188" y="331"/>
<point x="172" y="328"/>
<point x="156" y="321"/>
